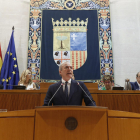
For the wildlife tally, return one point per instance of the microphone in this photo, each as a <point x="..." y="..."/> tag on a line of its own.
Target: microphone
<point x="117" y="85"/>
<point x="16" y="86"/>
<point x="12" y="85"/>
<point x="55" y="93"/>
<point x="86" y="94"/>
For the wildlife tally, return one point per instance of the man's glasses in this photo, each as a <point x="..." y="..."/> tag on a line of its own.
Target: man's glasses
<point x="107" y="82"/>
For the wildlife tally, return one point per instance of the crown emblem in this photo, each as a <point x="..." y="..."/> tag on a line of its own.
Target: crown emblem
<point x="70" y="25"/>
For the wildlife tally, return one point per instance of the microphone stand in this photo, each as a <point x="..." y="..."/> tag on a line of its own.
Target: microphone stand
<point x="55" y="93"/>
<point x="86" y="94"/>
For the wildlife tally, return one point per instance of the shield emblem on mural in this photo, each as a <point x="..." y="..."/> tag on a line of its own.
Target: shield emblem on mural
<point x="70" y="41"/>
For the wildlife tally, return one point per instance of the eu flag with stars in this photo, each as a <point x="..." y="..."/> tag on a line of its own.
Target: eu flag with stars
<point x="9" y="70"/>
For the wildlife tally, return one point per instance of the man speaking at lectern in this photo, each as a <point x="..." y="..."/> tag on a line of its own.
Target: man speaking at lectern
<point x="68" y="91"/>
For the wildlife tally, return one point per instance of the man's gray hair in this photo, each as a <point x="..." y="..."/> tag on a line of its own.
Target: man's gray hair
<point x="60" y="66"/>
<point x="137" y="74"/>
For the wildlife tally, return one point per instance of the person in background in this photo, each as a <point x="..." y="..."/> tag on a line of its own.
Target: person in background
<point x="136" y="85"/>
<point x="107" y="79"/>
<point x="26" y="80"/>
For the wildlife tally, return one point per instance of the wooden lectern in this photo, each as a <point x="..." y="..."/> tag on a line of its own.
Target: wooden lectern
<point x="53" y="123"/>
<point x="50" y="123"/>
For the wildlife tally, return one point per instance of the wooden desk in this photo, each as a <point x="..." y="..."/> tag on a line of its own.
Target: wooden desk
<point x="123" y="125"/>
<point x="114" y="100"/>
<point x="17" y="125"/>
<point x="19" y="99"/>
<point x="28" y="99"/>
<point x="119" y="100"/>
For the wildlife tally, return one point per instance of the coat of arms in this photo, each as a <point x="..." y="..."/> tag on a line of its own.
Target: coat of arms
<point x="70" y="41"/>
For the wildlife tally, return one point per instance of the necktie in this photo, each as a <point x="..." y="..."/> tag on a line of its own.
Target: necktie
<point x="66" y="90"/>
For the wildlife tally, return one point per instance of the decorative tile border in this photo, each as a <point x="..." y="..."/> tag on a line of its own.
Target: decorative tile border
<point x="105" y="43"/>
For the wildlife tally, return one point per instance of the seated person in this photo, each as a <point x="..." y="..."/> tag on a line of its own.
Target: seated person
<point x="136" y="85"/>
<point x="107" y="79"/>
<point x="68" y="91"/>
<point x="26" y="80"/>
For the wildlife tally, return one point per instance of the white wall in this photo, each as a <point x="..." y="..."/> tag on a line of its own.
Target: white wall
<point x="15" y="13"/>
<point x="125" y="24"/>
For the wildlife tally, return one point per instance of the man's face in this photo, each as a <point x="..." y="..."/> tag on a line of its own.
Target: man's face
<point x="67" y="71"/>
<point x="107" y="84"/>
<point x="138" y="78"/>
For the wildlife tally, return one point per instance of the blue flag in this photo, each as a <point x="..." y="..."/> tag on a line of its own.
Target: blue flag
<point x="9" y="70"/>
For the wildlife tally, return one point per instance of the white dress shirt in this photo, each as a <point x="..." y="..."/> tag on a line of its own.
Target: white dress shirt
<point x="68" y="84"/>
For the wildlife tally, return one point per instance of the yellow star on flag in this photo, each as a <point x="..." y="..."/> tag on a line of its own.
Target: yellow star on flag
<point x="3" y="80"/>
<point x="10" y="54"/>
<point x="6" y="80"/>
<point x="9" y="78"/>
<point x="15" y="65"/>
<point x="13" y="72"/>
<point x="14" y="58"/>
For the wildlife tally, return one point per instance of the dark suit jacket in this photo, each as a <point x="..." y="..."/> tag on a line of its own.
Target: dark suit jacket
<point x="134" y="86"/>
<point x="75" y="97"/>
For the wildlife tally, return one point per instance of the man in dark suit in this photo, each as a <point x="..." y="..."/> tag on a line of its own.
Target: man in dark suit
<point x="136" y="85"/>
<point x="68" y="91"/>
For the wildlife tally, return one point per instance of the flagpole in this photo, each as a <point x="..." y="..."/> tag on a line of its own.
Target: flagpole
<point x="9" y="71"/>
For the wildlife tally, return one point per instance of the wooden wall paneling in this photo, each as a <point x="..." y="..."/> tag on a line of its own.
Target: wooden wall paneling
<point x="95" y="98"/>
<point x="124" y="102"/>
<point x="123" y="125"/>
<point x="19" y="100"/>
<point x="16" y="128"/>
<point x="17" y="125"/>
<point x="92" y="86"/>
<point x="124" y="128"/>
<point x="9" y="101"/>
<point x="28" y="101"/>
<point x="42" y="99"/>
